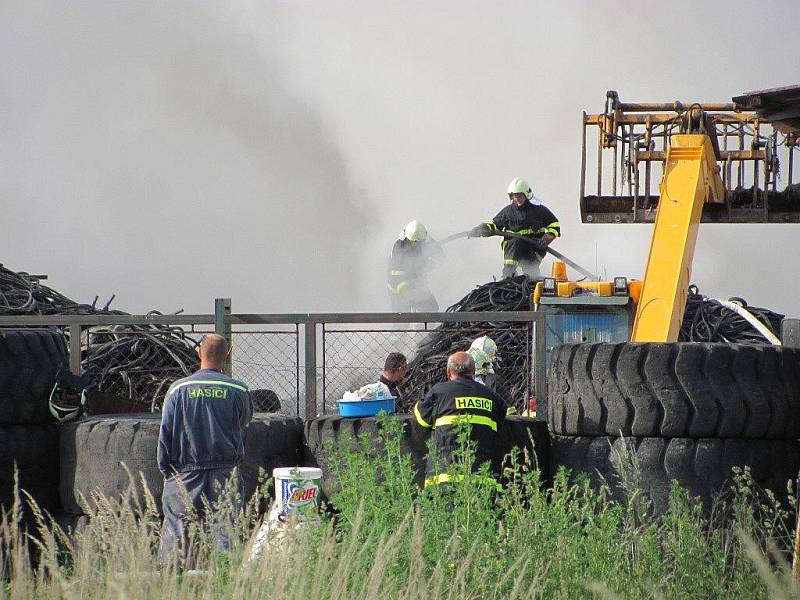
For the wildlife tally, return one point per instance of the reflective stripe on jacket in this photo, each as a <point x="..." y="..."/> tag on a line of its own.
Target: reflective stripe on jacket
<point x="462" y="401"/>
<point x="202" y="422"/>
<point x="530" y="220"/>
<point x="410" y="262"/>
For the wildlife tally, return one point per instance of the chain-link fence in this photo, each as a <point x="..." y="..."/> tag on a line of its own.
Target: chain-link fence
<point x="135" y="365"/>
<point x="268" y="361"/>
<point x="354" y="356"/>
<point x="295" y="364"/>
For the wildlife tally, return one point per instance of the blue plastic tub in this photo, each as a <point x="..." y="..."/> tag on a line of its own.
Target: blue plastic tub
<point x="366" y="408"/>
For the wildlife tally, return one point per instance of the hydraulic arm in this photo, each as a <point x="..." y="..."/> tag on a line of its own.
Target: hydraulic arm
<point x="691" y="178"/>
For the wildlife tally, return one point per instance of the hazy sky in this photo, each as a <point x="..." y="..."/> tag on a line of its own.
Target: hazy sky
<point x="271" y="151"/>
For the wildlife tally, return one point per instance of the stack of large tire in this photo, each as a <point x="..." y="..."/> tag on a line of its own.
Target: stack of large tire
<point x="526" y="434"/>
<point x="29" y="362"/>
<point x="689" y="412"/>
<point x="98" y="453"/>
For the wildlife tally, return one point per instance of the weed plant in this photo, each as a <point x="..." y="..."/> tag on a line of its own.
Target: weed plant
<point x="391" y="539"/>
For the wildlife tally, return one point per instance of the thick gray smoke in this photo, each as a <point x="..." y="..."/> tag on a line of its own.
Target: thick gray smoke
<point x="153" y="150"/>
<point x="271" y="151"/>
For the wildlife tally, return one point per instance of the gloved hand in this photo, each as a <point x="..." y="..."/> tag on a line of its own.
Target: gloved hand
<point x="539" y="244"/>
<point x="481" y="230"/>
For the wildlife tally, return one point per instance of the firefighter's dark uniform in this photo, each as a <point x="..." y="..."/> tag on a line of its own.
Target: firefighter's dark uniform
<point x="530" y="220"/>
<point x="407" y="275"/>
<point x="199" y="444"/>
<point x="451" y="403"/>
<point x="496" y="383"/>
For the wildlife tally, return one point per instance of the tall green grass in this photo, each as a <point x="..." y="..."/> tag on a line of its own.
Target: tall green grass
<point x="390" y="539"/>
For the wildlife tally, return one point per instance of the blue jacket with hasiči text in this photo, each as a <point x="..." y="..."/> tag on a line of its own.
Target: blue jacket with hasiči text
<point x="202" y="422"/>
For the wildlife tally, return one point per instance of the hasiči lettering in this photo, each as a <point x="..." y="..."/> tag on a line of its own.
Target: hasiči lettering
<point x="463" y="402"/>
<point x="208" y="392"/>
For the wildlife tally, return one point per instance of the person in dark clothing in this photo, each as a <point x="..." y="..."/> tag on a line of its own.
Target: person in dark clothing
<point x="411" y="258"/>
<point x="394" y="371"/>
<point x="200" y="442"/>
<point x="528" y="217"/>
<point x="461" y="400"/>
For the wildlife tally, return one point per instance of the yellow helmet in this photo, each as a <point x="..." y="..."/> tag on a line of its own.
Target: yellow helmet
<point x="415" y="232"/>
<point x="519" y="186"/>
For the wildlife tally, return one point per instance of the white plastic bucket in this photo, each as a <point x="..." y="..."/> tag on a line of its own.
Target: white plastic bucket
<point x="297" y="491"/>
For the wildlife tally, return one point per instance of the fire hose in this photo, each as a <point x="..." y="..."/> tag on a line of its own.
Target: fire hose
<point x="548" y="249"/>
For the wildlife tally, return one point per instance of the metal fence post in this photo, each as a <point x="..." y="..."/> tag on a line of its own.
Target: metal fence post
<point x="222" y="326"/>
<point x="540" y="373"/>
<point x="790" y="333"/>
<point x="75" y="348"/>
<point x="311" y="368"/>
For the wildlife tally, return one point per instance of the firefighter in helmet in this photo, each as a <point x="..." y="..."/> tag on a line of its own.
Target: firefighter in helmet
<point x="526" y="216"/>
<point x="412" y="257"/>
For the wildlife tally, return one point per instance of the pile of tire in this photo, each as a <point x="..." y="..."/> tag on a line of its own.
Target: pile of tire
<point x="29" y="362"/>
<point x="528" y="435"/>
<point x="110" y="454"/>
<point x="689" y="412"/>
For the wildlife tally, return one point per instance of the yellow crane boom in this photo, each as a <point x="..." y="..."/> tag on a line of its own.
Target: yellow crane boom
<point x="691" y="178"/>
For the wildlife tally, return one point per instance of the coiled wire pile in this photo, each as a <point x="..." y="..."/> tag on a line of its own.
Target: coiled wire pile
<point x="514" y="342"/>
<point x="24" y="294"/>
<point x="136" y="363"/>
<point x="706" y="320"/>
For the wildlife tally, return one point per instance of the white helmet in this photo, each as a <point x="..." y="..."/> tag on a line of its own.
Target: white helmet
<point x="519" y="186"/>
<point x="415" y="232"/>
<point x="484" y="352"/>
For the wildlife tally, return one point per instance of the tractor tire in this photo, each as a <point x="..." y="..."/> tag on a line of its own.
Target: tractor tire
<point x="334" y="429"/>
<point x="702" y="466"/>
<point x="691" y="390"/>
<point x="33" y="450"/>
<point x="530" y="436"/>
<point x="29" y="361"/>
<point x="71" y="524"/>
<point x="270" y="441"/>
<point x="93" y="451"/>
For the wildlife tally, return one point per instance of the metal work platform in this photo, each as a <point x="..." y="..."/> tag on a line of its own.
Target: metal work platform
<point x="754" y="138"/>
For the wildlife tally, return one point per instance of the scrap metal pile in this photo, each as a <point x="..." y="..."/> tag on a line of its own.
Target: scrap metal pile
<point x="514" y="342"/>
<point x="135" y="363"/>
<point x="788" y="199"/>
